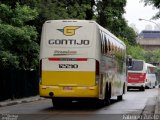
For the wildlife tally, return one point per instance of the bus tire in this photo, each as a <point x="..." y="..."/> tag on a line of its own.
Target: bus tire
<point x="142" y="89"/>
<point x="106" y="100"/>
<point x="155" y="85"/>
<point x="56" y="102"/>
<point x="120" y="97"/>
<point x="59" y="102"/>
<point x="108" y="94"/>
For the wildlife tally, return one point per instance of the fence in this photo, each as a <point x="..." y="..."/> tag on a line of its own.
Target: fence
<point x="18" y="83"/>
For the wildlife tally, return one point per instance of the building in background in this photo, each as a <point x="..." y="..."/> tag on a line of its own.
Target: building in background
<point x="149" y="40"/>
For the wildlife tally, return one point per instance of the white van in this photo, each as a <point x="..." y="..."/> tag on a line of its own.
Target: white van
<point x="150" y="76"/>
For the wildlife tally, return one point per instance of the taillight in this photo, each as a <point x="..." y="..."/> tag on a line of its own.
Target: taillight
<point x="97" y="68"/>
<point x="67" y="59"/>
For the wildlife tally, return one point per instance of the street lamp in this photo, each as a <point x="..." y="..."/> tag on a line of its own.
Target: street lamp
<point x="140" y="19"/>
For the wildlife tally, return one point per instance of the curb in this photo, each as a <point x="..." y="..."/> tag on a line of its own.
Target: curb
<point x="157" y="106"/>
<point x="19" y="101"/>
<point x="150" y="107"/>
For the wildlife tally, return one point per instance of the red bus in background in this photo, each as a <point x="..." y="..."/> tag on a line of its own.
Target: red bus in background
<point x="141" y="75"/>
<point x="137" y="75"/>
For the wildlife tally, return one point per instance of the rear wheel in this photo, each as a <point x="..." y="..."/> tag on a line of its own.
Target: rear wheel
<point x="120" y="97"/>
<point x="56" y="102"/>
<point x="155" y="84"/>
<point x="106" y="100"/>
<point x="142" y="89"/>
<point x="59" y="102"/>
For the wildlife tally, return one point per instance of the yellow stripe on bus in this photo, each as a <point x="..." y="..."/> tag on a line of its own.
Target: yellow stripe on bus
<point x="68" y="78"/>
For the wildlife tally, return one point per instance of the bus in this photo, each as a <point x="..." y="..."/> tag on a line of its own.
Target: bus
<point x="141" y="75"/>
<point x="151" y="80"/>
<point x="81" y="60"/>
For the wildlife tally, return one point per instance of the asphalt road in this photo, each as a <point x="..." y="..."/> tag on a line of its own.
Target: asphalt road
<point x="133" y="103"/>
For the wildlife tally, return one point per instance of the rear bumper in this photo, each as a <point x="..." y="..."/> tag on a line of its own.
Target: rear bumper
<point x="135" y="85"/>
<point x="58" y="91"/>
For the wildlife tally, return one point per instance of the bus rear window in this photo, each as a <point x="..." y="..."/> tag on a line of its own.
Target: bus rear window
<point x="136" y="66"/>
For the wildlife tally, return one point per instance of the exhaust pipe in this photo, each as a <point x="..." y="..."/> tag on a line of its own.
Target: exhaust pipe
<point x="51" y="94"/>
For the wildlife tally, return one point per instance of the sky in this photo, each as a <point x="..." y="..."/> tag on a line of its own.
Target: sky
<point x="135" y="10"/>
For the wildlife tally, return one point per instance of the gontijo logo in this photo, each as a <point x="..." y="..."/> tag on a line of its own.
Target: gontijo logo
<point x="69" y="30"/>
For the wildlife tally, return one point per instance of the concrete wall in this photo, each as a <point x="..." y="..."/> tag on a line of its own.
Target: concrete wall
<point x="148" y="43"/>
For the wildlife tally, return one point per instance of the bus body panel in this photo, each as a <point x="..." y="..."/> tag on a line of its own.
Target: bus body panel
<point x="68" y="59"/>
<point x="68" y="73"/>
<point x="55" y="43"/>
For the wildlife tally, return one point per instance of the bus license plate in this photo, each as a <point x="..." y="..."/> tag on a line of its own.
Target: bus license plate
<point x="67" y="88"/>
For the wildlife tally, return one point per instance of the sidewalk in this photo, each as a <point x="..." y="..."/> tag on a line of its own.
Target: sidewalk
<point x="152" y="108"/>
<point x="22" y="100"/>
<point x="157" y="107"/>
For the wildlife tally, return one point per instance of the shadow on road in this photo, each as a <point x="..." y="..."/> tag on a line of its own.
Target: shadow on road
<point x="79" y="106"/>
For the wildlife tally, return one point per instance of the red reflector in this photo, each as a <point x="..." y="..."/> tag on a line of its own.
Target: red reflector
<point x="67" y="59"/>
<point x="54" y="59"/>
<point x="81" y="59"/>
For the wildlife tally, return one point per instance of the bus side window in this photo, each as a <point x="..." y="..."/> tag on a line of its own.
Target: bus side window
<point x="109" y="47"/>
<point x="102" y="44"/>
<point x="106" y="44"/>
<point x="101" y="36"/>
<point x="148" y="70"/>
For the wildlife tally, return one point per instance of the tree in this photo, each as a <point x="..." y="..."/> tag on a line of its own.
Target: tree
<point x="19" y="48"/>
<point x="136" y="52"/>
<point x="155" y="3"/>
<point x="55" y="9"/>
<point x="109" y="14"/>
<point x="64" y="9"/>
<point x="130" y="35"/>
<point x="152" y="56"/>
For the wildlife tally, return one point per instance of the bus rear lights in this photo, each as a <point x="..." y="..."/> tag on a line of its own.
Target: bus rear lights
<point x="87" y="88"/>
<point x="67" y="59"/>
<point x="44" y="87"/>
<point x="49" y="87"/>
<point x="91" y="88"/>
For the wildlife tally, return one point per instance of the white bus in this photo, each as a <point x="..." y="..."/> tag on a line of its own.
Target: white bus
<point x="79" y="59"/>
<point x="151" y="80"/>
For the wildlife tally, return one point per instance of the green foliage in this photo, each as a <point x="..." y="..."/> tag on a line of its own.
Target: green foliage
<point x="17" y="39"/>
<point x="110" y="14"/>
<point x="130" y="35"/>
<point x="152" y="56"/>
<point x="136" y="52"/>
